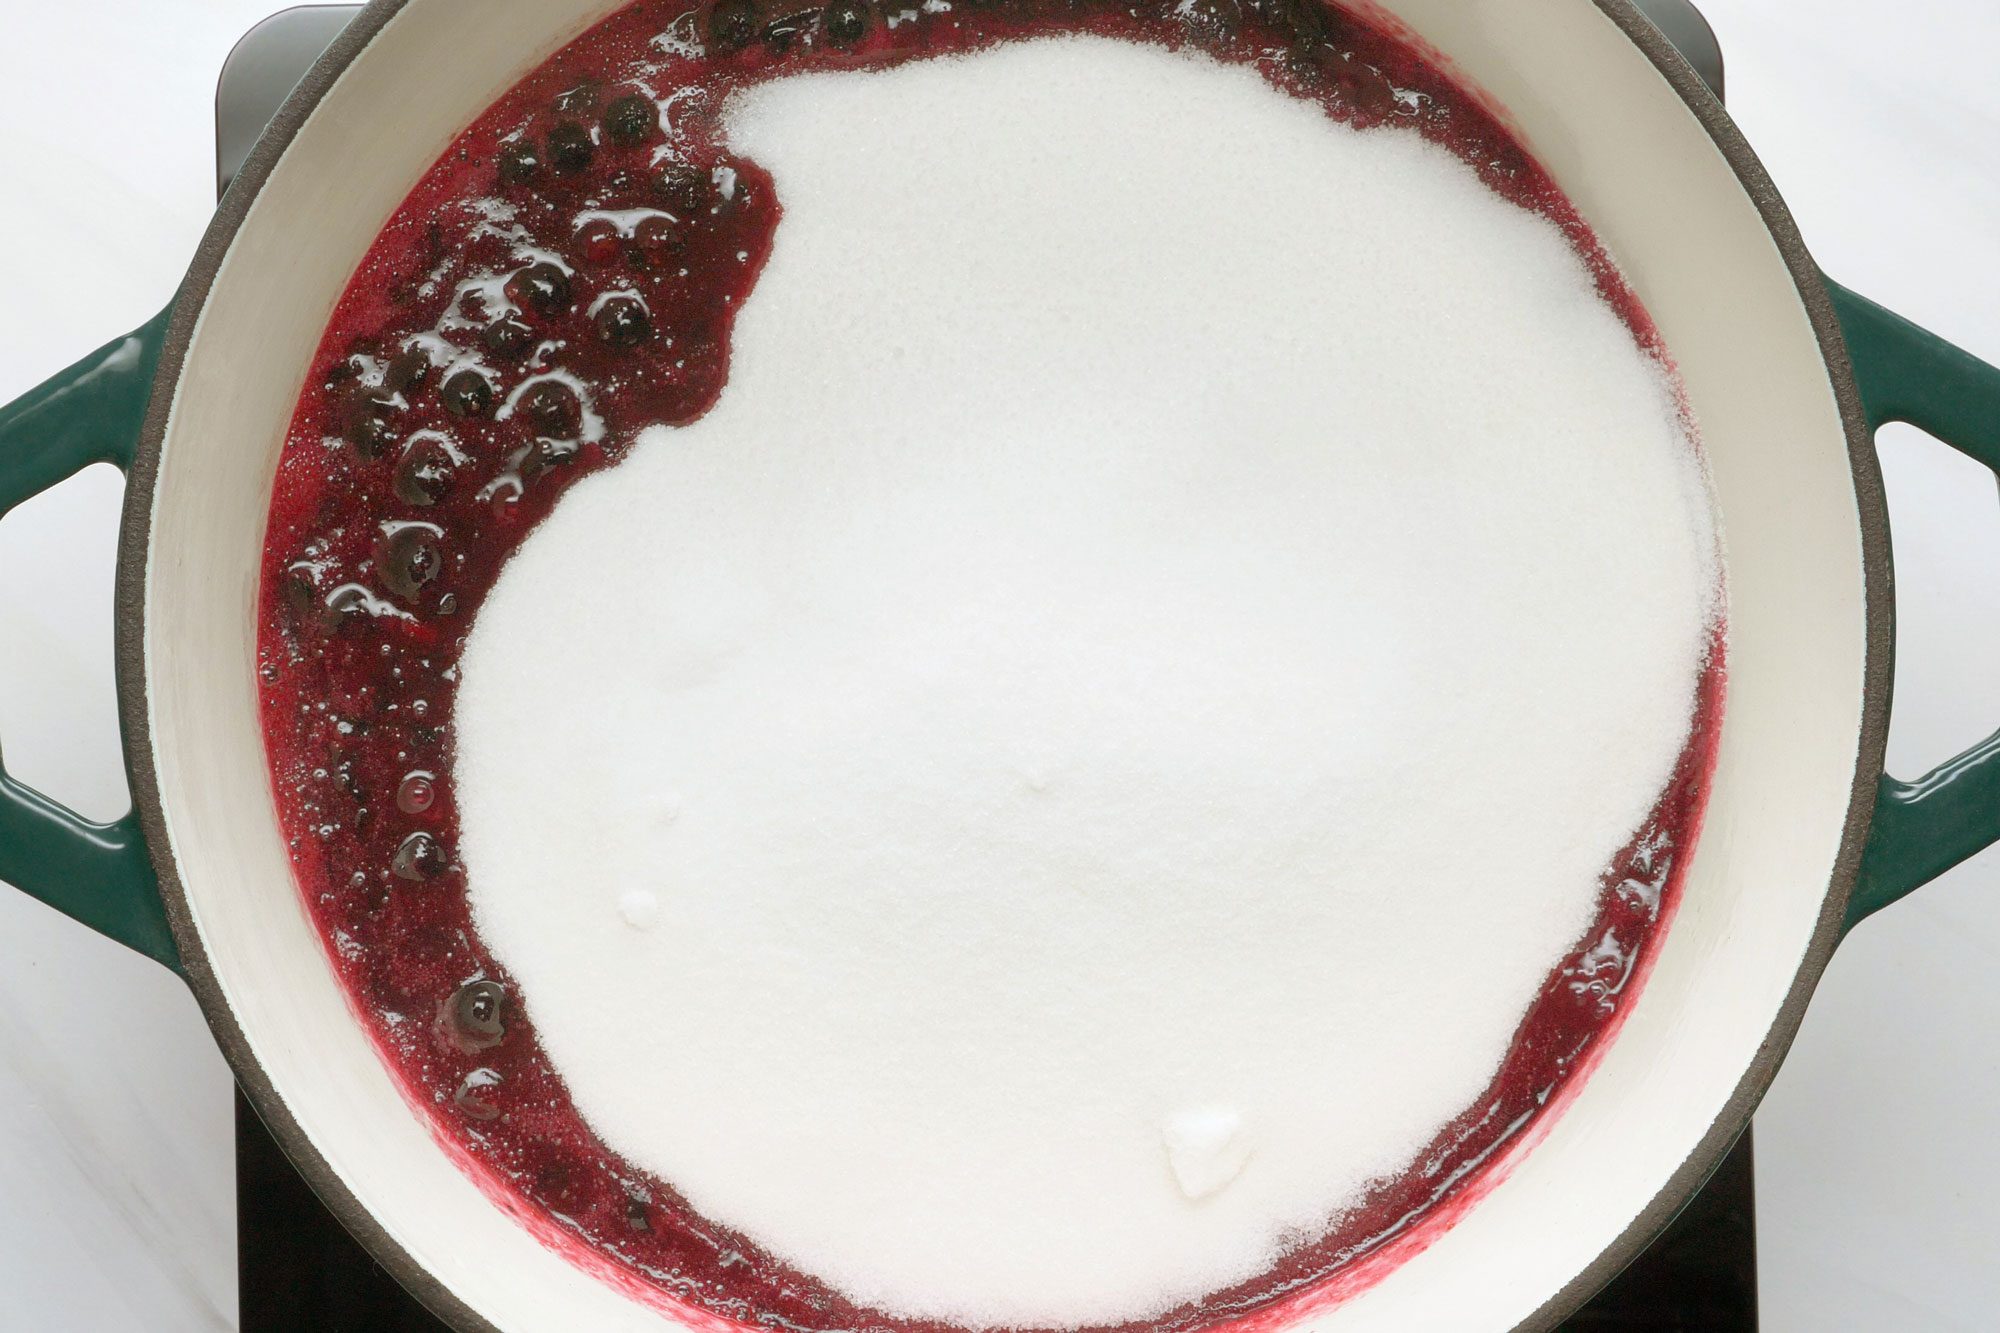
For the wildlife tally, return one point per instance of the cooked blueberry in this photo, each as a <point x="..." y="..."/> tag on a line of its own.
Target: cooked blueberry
<point x="408" y="558"/>
<point x="622" y="321"/>
<point x="423" y="475"/>
<point x="635" y="1213"/>
<point x="368" y="425"/>
<point x="477" y="1015"/>
<point x="631" y="119"/>
<point x="508" y="337"/>
<point x="299" y="595"/>
<point x="570" y="148"/>
<point x="846" y="22"/>
<point x="552" y="409"/>
<point x="541" y="286"/>
<point x="301" y="585"/>
<point x="1311" y="23"/>
<point x="1363" y="87"/>
<point x="685" y="187"/>
<point x="555" y="1185"/>
<point x="656" y="240"/>
<point x="542" y="455"/>
<point x="467" y="394"/>
<point x="420" y="857"/>
<point x="1209" y="20"/>
<point x="780" y="33"/>
<point x="408" y="373"/>
<point x="731" y="25"/>
<point x="520" y="161"/>
<point x="598" y="241"/>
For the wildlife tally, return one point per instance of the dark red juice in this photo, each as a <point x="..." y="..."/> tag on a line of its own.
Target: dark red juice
<point x="563" y="276"/>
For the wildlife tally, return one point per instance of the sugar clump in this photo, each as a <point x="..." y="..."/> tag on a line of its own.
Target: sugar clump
<point x="1207" y="1148"/>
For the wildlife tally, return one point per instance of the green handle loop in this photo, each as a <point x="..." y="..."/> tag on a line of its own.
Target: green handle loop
<point x="1924" y="828"/>
<point x="97" y="873"/>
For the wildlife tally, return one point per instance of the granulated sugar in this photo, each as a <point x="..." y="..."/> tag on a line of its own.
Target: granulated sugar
<point x="1084" y="757"/>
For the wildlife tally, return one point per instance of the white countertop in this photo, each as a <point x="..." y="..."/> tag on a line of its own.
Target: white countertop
<point x="1878" y="1165"/>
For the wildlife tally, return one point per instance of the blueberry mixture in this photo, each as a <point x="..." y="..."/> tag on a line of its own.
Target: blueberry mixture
<point x="564" y="276"/>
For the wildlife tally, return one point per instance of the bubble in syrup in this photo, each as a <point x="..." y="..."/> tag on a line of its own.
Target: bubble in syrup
<point x="472" y="1095"/>
<point x="416" y="793"/>
<point x="475" y="1015"/>
<point x="420" y="857"/>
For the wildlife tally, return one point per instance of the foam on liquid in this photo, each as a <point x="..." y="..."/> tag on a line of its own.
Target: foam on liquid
<point x="1080" y="762"/>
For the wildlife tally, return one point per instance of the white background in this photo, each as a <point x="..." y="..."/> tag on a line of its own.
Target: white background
<point x="1878" y="1161"/>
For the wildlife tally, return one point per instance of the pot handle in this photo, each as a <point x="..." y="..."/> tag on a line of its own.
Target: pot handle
<point x="97" y="873"/>
<point x="1924" y="827"/>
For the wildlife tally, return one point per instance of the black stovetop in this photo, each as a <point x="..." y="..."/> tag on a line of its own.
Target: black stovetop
<point x="300" y="1272"/>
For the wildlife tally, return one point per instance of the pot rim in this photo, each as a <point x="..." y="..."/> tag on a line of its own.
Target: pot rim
<point x="1673" y="1195"/>
<point x="1878" y="672"/>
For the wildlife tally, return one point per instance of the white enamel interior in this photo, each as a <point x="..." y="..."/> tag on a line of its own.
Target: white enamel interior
<point x="1670" y="210"/>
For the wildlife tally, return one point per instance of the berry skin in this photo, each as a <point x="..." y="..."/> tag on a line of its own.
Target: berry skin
<point x="508" y="337"/>
<point x="622" y="321"/>
<point x="631" y="120"/>
<point x="467" y="394"/>
<point x="542" y="287"/>
<point x="732" y="25"/>
<point x="570" y="148"/>
<point x="520" y="162"/>
<point x="846" y="22"/>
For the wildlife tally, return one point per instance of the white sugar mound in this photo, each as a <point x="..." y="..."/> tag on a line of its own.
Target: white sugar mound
<point x="1083" y="758"/>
